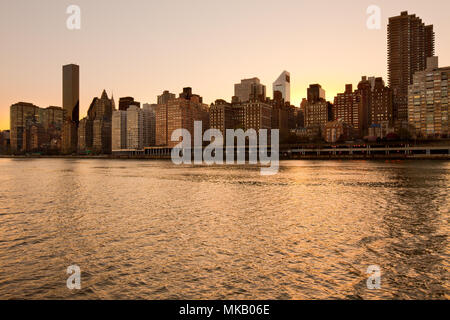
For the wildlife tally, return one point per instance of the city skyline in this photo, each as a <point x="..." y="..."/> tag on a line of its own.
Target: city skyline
<point x="123" y="76"/>
<point x="245" y="156"/>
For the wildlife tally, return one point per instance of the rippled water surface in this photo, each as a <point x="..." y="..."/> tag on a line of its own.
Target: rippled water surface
<point x="152" y="230"/>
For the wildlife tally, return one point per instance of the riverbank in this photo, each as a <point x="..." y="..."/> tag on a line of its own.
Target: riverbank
<point x="282" y="157"/>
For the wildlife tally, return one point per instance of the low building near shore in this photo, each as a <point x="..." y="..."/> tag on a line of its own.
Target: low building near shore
<point x="337" y="130"/>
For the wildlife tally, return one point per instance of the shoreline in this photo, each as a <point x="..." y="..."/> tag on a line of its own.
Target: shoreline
<point x="282" y="158"/>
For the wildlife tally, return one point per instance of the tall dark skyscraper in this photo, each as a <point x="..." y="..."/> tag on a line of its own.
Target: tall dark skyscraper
<point x="410" y="43"/>
<point x="71" y="92"/>
<point x="71" y="107"/>
<point x="126" y="102"/>
<point x="315" y="93"/>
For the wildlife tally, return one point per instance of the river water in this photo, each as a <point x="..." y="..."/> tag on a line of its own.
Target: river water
<point x="153" y="230"/>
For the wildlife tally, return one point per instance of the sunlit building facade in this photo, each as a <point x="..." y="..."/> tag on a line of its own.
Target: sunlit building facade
<point x="135" y="128"/>
<point x="180" y="113"/>
<point x="283" y="85"/>
<point x="428" y="111"/>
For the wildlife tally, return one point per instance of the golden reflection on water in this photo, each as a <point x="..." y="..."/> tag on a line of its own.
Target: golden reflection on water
<point x="152" y="230"/>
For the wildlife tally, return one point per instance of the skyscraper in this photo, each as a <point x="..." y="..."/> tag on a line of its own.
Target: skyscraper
<point x="71" y="107"/>
<point x="85" y="135"/>
<point x="410" y="43"/>
<point x="119" y="130"/>
<point x="71" y="92"/>
<point x="135" y="128"/>
<point x="318" y="111"/>
<point x="283" y="85"/>
<point x="149" y="124"/>
<point x="249" y="89"/>
<point x="96" y="128"/>
<point x="101" y="113"/>
<point x="20" y="113"/>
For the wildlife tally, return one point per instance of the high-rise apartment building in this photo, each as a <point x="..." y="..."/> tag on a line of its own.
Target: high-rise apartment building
<point x="349" y="108"/>
<point x="283" y="85"/>
<point x="161" y="135"/>
<point x="318" y="111"/>
<point x="249" y="89"/>
<point x="379" y="100"/>
<point x="318" y="114"/>
<point x="254" y="114"/>
<point x="257" y="115"/>
<point x="283" y="114"/>
<point x="85" y="135"/>
<point x="410" y="43"/>
<point x="149" y="124"/>
<point x="180" y="113"/>
<point x="370" y="104"/>
<point x="222" y="116"/>
<point x="428" y="111"/>
<point x="135" y="128"/>
<point x="119" y="130"/>
<point x="165" y="97"/>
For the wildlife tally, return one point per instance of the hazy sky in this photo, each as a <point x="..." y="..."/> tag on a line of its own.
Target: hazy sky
<point x="141" y="47"/>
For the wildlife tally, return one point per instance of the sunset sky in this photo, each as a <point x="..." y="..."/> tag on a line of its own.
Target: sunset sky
<point x="141" y="47"/>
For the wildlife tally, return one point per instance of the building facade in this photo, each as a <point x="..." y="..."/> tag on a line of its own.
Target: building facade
<point x="85" y="135"/>
<point x="317" y="111"/>
<point x="318" y="114"/>
<point x="149" y="124"/>
<point x="349" y="108"/>
<point x="283" y="115"/>
<point x="381" y="102"/>
<point x="222" y="116"/>
<point x="97" y="127"/>
<point x="119" y="130"/>
<point x="428" y="112"/>
<point x="135" y="128"/>
<point x="180" y="113"/>
<point x="34" y="128"/>
<point x="257" y="115"/>
<point x="337" y="131"/>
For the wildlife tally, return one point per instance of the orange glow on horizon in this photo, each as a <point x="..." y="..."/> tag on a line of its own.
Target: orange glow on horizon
<point x="134" y="55"/>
